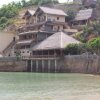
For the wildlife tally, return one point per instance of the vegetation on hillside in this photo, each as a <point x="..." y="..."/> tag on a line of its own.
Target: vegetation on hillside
<point x="11" y="10"/>
<point x="89" y="32"/>
<point x="92" y="46"/>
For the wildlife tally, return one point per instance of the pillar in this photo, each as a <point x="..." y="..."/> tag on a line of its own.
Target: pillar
<point x="55" y="66"/>
<point x="31" y="66"/>
<point x="36" y="65"/>
<point x="48" y="65"/>
<point x="26" y="64"/>
<point x="42" y="65"/>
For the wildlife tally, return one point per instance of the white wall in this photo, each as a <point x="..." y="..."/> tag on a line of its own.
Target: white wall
<point x="54" y="18"/>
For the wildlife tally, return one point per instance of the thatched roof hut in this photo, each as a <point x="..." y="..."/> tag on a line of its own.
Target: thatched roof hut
<point x="84" y="14"/>
<point x="58" y="40"/>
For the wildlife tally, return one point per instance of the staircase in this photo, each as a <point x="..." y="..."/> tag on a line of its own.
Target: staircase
<point x="9" y="47"/>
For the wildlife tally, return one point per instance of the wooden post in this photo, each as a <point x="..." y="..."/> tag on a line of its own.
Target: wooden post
<point x="42" y="65"/>
<point x="31" y="66"/>
<point x="36" y="65"/>
<point x="55" y="65"/>
<point x="26" y="64"/>
<point x="49" y="66"/>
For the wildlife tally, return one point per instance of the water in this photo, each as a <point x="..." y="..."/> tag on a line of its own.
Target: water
<point x="37" y="86"/>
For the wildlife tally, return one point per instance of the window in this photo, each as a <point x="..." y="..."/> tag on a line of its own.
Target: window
<point x="27" y="51"/>
<point x="57" y="18"/>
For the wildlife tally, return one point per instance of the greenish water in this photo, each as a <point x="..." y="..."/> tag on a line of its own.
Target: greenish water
<point x="36" y="86"/>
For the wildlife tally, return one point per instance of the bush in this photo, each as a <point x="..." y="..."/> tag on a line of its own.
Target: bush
<point x="94" y="45"/>
<point x="72" y="49"/>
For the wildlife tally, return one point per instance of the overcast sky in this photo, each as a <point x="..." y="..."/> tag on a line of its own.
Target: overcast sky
<point x="8" y="1"/>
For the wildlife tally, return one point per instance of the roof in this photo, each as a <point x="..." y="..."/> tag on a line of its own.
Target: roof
<point x="84" y="14"/>
<point x="24" y="42"/>
<point x="58" y="40"/>
<point x="53" y="11"/>
<point x="71" y="30"/>
<point x="31" y="12"/>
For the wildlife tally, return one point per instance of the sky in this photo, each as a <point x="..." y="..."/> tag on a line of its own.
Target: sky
<point x="2" y="2"/>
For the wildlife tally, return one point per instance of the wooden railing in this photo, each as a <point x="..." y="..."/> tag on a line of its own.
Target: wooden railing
<point x="40" y="56"/>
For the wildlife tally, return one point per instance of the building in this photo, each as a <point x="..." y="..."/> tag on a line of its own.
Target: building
<point x="84" y="17"/>
<point x="47" y="54"/>
<point x="45" y="22"/>
<point x="28" y="17"/>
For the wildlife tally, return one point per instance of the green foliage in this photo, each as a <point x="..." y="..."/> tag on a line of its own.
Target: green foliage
<point x="94" y="45"/>
<point x="88" y="31"/>
<point x="11" y="10"/>
<point x="72" y="49"/>
<point x="3" y="22"/>
<point x="71" y="15"/>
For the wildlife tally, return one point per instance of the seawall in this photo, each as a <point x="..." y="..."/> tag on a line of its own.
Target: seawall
<point x="82" y="63"/>
<point x="12" y="65"/>
<point x="70" y="63"/>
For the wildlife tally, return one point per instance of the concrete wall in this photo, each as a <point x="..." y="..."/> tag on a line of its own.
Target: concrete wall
<point x="82" y="63"/>
<point x="70" y="64"/>
<point x="12" y="65"/>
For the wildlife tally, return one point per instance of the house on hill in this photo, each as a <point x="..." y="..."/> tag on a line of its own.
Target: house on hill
<point x="28" y="17"/>
<point x="84" y="17"/>
<point x="46" y="22"/>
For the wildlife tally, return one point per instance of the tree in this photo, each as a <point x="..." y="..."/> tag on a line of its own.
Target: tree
<point x="71" y="15"/>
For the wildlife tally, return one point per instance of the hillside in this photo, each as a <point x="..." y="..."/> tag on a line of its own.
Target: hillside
<point x="12" y="19"/>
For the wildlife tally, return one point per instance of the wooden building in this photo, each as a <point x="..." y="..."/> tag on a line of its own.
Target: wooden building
<point x="39" y="25"/>
<point x="46" y="55"/>
<point x="84" y="17"/>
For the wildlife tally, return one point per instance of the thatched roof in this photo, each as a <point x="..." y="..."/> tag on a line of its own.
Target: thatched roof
<point x="52" y="11"/>
<point x="84" y="14"/>
<point x="58" y="40"/>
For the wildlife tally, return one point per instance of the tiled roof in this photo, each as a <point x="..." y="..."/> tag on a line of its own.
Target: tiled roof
<point x="84" y="14"/>
<point x="53" y="11"/>
<point x="58" y="40"/>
